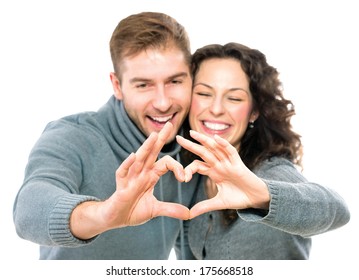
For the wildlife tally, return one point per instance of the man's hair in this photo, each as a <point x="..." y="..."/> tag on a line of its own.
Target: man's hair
<point x="147" y="30"/>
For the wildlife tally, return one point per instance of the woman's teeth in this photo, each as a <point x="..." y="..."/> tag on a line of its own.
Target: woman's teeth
<point x="215" y="126"/>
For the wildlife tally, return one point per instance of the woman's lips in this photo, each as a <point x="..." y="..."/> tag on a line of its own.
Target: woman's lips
<point x="216" y="126"/>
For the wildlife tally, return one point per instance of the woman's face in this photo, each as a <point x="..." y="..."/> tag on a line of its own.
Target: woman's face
<point x="221" y="102"/>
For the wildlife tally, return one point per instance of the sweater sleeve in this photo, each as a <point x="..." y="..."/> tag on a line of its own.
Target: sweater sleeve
<point x="51" y="190"/>
<point x="44" y="219"/>
<point x="297" y="206"/>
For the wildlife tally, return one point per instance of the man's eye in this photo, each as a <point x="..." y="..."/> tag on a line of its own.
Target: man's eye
<point x="176" y="81"/>
<point x="142" y="85"/>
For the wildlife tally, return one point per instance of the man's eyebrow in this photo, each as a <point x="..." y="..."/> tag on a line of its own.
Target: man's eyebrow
<point x="139" y="79"/>
<point x="172" y="77"/>
<point x="178" y="75"/>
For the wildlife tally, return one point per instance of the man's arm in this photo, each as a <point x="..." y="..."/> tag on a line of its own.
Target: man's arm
<point x="133" y="202"/>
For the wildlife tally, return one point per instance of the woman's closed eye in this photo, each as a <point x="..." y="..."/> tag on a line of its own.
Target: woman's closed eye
<point x="204" y="94"/>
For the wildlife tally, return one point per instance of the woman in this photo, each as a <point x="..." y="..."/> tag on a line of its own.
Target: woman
<point x="246" y="148"/>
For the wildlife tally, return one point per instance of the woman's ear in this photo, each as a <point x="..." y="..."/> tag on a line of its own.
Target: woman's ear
<point x="254" y="116"/>
<point x="116" y="86"/>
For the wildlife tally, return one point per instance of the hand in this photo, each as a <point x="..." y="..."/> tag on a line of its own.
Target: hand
<point x="237" y="186"/>
<point x="133" y="202"/>
<point x="136" y="179"/>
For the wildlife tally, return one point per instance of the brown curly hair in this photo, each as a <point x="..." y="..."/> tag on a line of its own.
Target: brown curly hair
<point x="272" y="134"/>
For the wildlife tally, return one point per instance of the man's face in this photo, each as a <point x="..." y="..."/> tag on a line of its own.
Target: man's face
<point x="155" y="88"/>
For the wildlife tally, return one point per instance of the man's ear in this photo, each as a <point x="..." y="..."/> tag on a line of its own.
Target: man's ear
<point x="116" y="86"/>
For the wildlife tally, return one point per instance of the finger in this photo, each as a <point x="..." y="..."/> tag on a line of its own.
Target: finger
<point x="170" y="209"/>
<point x="168" y="163"/>
<point x="210" y="144"/>
<point x="206" y="206"/>
<point x="146" y="148"/>
<point x="197" y="149"/>
<point x="195" y="167"/>
<point x="125" y="166"/>
<point x="230" y="150"/>
<point x="162" y="138"/>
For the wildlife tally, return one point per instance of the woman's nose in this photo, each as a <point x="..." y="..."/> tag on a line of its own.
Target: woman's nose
<point x="217" y="107"/>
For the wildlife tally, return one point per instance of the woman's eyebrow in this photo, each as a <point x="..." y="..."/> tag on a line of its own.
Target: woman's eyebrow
<point x="230" y="89"/>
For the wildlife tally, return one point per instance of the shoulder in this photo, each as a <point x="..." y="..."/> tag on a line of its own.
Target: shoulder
<point x="74" y="120"/>
<point x="80" y="123"/>
<point x="273" y="163"/>
<point x="279" y="168"/>
<point x="71" y="133"/>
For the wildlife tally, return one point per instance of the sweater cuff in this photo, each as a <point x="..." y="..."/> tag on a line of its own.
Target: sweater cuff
<point x="59" y="221"/>
<point x="259" y="215"/>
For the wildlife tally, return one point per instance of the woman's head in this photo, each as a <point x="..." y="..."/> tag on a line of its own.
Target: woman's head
<point x="222" y="103"/>
<point x="238" y="96"/>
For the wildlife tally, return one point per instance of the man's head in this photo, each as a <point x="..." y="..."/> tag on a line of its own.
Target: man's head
<point x="147" y="30"/>
<point x="151" y="58"/>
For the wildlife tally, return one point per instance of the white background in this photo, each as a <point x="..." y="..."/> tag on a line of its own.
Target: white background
<point x="54" y="61"/>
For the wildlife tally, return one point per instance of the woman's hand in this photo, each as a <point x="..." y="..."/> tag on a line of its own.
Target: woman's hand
<point x="237" y="186"/>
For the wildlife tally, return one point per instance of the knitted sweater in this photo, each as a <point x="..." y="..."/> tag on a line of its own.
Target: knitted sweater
<point x="74" y="161"/>
<point x="298" y="210"/>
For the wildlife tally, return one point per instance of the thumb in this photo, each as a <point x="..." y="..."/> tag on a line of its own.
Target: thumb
<point x="205" y="206"/>
<point x="172" y="210"/>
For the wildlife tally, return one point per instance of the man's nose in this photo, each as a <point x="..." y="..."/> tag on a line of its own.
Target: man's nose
<point x="161" y="100"/>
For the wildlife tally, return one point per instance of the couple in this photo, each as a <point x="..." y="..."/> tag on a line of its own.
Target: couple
<point x="97" y="184"/>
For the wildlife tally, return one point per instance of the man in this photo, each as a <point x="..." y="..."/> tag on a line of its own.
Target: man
<point x="76" y="202"/>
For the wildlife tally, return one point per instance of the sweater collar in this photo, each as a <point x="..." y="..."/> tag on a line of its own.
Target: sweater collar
<point x="125" y="134"/>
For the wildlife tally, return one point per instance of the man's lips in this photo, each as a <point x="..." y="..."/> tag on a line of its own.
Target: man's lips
<point x="162" y="119"/>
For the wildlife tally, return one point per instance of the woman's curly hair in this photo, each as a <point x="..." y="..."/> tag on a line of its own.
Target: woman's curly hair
<point x="272" y="133"/>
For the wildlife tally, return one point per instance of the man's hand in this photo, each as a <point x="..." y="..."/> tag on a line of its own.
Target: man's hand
<point x="133" y="202"/>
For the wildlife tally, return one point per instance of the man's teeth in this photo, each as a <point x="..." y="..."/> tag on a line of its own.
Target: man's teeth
<point x="162" y="119"/>
<point x="215" y="126"/>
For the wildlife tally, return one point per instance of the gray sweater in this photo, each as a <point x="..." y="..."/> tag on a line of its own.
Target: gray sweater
<point x="74" y="161"/>
<point x="298" y="210"/>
